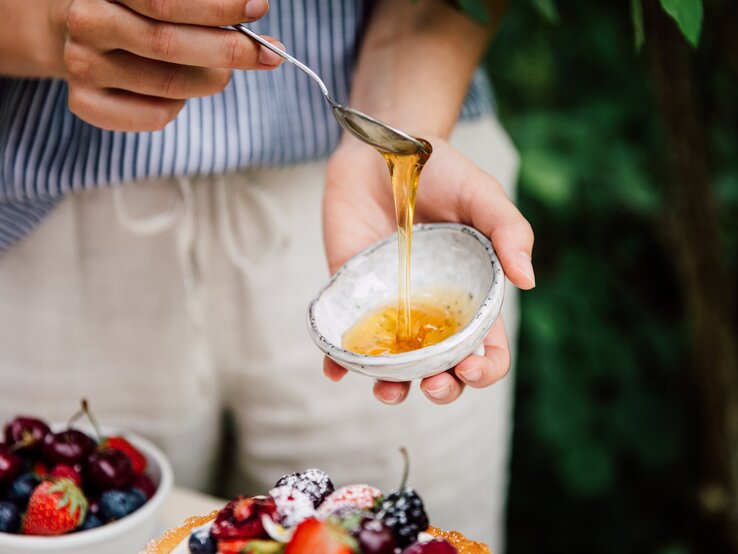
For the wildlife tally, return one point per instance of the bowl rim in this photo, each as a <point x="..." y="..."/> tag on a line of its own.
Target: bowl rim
<point x="110" y="530"/>
<point x="496" y="288"/>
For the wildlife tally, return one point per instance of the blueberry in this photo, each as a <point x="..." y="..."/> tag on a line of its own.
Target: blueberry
<point x="20" y="490"/>
<point x="9" y="518"/>
<point x="118" y="504"/>
<point x="90" y="522"/>
<point x="201" y="542"/>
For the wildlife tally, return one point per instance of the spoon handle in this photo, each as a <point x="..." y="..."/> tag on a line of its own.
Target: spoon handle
<point x="240" y="27"/>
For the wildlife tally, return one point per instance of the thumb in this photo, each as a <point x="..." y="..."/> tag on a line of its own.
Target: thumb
<point x="513" y="243"/>
<point x="492" y="212"/>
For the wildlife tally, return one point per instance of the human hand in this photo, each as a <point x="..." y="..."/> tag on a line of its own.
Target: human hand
<point x="358" y="210"/>
<point x="132" y="64"/>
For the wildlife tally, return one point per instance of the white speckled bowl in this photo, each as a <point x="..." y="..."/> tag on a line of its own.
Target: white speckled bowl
<point x="443" y="254"/>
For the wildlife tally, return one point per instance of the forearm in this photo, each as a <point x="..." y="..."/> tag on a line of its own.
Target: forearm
<point x="31" y="37"/>
<point x="416" y="63"/>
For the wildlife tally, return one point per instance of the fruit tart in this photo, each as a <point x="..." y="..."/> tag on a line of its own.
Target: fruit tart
<point x="305" y="514"/>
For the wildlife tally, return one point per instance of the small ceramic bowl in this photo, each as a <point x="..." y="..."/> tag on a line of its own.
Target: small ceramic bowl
<point x="125" y="536"/>
<point x="443" y="255"/>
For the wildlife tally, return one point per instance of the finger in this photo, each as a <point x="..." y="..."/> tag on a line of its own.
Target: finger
<point x="200" y="12"/>
<point x="108" y="26"/>
<point x="476" y="198"/>
<point x="332" y="370"/>
<point x="482" y="371"/>
<point x="493" y="213"/>
<point x="443" y="388"/>
<point x="391" y="393"/>
<point x="126" y="71"/>
<point x="119" y="110"/>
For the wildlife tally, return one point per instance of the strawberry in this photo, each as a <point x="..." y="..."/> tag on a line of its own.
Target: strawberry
<point x="64" y="471"/>
<point x="56" y="506"/>
<point x="40" y="469"/>
<point x="242" y="519"/>
<point x="313" y="536"/>
<point x="232" y="546"/>
<point x="138" y="460"/>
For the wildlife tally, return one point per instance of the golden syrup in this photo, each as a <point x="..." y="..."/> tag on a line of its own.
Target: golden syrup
<point x="435" y="315"/>
<point x="405" y="176"/>
<point x="425" y="319"/>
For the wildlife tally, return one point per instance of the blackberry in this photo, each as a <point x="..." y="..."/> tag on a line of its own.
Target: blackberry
<point x="313" y="482"/>
<point x="403" y="512"/>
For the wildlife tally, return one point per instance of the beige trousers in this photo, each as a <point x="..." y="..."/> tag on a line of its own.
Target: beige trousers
<point x="164" y="302"/>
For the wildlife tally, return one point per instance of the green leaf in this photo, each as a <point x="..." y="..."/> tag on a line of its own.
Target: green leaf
<point x="636" y="13"/>
<point x="476" y="9"/>
<point x="547" y="9"/>
<point x="688" y="15"/>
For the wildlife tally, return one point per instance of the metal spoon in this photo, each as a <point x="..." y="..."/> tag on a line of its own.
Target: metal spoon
<point x="372" y="131"/>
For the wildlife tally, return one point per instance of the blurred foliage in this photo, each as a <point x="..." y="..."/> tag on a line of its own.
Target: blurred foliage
<point x="687" y="14"/>
<point x="601" y="459"/>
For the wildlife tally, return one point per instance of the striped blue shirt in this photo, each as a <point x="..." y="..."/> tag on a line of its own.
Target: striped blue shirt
<point x="261" y="119"/>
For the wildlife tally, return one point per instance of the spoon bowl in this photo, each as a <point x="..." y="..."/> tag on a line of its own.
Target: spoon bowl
<point x="443" y="255"/>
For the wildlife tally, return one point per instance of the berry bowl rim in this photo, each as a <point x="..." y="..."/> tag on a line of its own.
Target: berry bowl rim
<point x="108" y="532"/>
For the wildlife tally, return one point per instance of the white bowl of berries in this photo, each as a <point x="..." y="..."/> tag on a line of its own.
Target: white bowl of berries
<point x="78" y="489"/>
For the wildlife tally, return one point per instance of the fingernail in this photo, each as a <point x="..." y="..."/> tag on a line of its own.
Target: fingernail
<point x="393" y="400"/>
<point x="472" y="375"/>
<point x="439" y="394"/>
<point x="267" y="57"/>
<point x="256" y="8"/>
<point x="526" y="266"/>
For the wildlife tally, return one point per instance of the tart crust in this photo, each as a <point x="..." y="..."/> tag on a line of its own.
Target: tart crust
<point x="171" y="539"/>
<point x="459" y="541"/>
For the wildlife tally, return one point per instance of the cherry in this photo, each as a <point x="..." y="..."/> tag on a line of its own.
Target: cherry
<point x="11" y="466"/>
<point x="67" y="447"/>
<point x="26" y="434"/>
<point x="144" y="484"/>
<point x="109" y="469"/>
<point x="374" y="537"/>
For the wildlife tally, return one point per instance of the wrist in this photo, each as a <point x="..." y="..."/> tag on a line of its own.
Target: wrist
<point x="32" y="36"/>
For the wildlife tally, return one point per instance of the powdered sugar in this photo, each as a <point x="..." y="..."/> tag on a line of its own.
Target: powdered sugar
<point x="293" y="506"/>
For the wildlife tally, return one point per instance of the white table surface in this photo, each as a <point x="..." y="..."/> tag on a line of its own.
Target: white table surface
<point x="183" y="503"/>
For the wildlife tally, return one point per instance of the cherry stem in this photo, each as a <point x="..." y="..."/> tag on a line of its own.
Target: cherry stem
<point x="406" y="470"/>
<point x="72" y="420"/>
<point x="86" y="410"/>
<point x="28" y="440"/>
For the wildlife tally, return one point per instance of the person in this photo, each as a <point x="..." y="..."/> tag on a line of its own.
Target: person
<point x="183" y="292"/>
